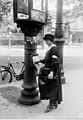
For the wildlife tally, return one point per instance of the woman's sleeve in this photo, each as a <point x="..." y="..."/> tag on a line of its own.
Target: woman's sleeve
<point x="54" y="51"/>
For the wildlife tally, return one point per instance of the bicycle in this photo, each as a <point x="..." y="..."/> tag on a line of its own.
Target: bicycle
<point x="7" y="72"/>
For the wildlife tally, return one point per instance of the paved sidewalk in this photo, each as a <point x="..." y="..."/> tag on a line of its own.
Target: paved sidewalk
<point x="72" y="105"/>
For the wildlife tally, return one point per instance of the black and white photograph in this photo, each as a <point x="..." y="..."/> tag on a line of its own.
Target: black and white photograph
<point x="41" y="59"/>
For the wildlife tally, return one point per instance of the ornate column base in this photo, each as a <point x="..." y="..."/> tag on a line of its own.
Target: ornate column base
<point x="29" y="97"/>
<point x="63" y="79"/>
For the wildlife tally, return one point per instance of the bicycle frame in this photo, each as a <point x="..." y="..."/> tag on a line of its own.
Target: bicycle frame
<point x="10" y="66"/>
<point x="10" y="69"/>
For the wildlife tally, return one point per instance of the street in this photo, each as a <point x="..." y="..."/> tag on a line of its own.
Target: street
<point x="72" y="104"/>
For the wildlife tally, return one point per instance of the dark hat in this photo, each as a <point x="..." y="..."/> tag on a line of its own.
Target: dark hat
<point x="48" y="37"/>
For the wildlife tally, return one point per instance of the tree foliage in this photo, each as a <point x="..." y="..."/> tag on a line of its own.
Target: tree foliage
<point x="5" y="7"/>
<point x="75" y="11"/>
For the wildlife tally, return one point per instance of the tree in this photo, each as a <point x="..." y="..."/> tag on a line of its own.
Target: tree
<point x="75" y="9"/>
<point x="5" y="7"/>
<point x="6" y="14"/>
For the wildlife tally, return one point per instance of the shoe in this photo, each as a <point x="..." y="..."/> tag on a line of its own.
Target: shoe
<point x="49" y="108"/>
<point x="56" y="105"/>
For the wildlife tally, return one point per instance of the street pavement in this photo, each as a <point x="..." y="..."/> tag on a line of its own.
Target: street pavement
<point x="72" y="105"/>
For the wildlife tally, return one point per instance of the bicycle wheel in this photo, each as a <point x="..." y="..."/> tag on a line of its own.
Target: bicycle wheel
<point x="2" y="73"/>
<point x="5" y="76"/>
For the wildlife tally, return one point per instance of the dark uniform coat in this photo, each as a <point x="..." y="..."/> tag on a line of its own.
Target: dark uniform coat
<point x="50" y="88"/>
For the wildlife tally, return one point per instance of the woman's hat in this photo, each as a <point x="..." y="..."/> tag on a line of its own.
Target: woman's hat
<point x="48" y="37"/>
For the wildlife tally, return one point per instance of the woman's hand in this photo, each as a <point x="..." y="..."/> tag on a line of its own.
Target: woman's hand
<point x="50" y="76"/>
<point x="35" y="59"/>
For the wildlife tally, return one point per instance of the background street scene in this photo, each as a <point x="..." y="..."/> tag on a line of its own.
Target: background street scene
<point x="72" y="105"/>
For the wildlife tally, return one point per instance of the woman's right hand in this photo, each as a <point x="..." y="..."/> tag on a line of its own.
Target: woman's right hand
<point x="35" y="59"/>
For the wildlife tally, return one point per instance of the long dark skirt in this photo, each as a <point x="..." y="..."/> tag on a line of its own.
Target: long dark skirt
<point x="50" y="88"/>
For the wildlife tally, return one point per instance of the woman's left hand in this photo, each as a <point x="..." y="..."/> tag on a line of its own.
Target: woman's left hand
<point x="50" y="76"/>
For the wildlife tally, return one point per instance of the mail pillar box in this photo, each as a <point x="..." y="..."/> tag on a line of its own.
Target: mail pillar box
<point x="30" y="16"/>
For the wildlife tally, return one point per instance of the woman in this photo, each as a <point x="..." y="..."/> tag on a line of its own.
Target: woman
<point x="49" y="87"/>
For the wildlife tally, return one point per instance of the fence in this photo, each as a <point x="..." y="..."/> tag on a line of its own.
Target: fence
<point x="11" y="39"/>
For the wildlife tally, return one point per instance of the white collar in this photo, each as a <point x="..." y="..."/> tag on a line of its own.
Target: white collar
<point x="51" y="46"/>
